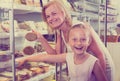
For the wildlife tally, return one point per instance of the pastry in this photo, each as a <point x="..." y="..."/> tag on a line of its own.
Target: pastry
<point x="18" y="54"/>
<point x="26" y="65"/>
<point x="22" y="75"/>
<point x="5" y="26"/>
<point x="46" y="68"/>
<point x="39" y="48"/>
<point x="7" y="74"/>
<point x="24" y="26"/>
<point x="29" y="50"/>
<point x="23" y="1"/>
<point x="4" y="79"/>
<point x="37" y="70"/>
<point x="31" y="36"/>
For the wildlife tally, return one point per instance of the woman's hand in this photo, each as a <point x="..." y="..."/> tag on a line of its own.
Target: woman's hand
<point x="39" y="35"/>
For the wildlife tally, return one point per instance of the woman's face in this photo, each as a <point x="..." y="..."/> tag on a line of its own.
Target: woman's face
<point x="55" y="17"/>
<point x="78" y="40"/>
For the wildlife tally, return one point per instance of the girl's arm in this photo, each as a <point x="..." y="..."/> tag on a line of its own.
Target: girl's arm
<point x="42" y="58"/>
<point x="98" y="72"/>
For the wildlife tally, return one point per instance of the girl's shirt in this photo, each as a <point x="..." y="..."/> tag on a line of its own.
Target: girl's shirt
<point x="80" y="72"/>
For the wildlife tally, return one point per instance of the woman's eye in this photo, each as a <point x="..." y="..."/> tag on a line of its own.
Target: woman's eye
<point x="54" y="13"/>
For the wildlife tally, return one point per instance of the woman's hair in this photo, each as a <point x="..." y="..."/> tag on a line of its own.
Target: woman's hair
<point x="61" y="7"/>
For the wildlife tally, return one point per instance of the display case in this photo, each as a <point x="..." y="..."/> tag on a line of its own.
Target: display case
<point x="17" y="19"/>
<point x="6" y="38"/>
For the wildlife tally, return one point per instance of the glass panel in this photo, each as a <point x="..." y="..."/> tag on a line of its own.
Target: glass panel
<point x="6" y="72"/>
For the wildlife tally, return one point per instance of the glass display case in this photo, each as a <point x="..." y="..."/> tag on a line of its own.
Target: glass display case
<point x="17" y="19"/>
<point x="7" y="70"/>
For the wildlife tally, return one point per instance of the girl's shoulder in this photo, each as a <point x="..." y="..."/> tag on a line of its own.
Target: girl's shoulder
<point x="92" y="58"/>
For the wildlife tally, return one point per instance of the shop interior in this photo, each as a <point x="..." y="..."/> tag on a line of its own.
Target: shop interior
<point x="19" y="17"/>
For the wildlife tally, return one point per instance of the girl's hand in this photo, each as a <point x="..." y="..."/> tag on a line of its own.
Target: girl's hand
<point x="20" y="61"/>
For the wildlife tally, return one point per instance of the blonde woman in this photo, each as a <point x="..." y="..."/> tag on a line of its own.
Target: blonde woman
<point x="56" y="16"/>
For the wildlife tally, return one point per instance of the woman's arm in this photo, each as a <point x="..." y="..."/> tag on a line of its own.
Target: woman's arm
<point x="97" y="47"/>
<point x="45" y="43"/>
<point x="42" y="58"/>
<point x="98" y="72"/>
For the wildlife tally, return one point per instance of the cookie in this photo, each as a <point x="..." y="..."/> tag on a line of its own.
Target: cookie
<point x="29" y="50"/>
<point x="31" y="36"/>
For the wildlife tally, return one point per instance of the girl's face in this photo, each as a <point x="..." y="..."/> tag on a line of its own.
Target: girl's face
<point x="55" y="16"/>
<point x="78" y="40"/>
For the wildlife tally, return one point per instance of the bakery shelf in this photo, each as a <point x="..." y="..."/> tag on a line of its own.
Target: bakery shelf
<point x="42" y="76"/>
<point x="20" y="9"/>
<point x="7" y="35"/>
<point x="92" y="3"/>
<point x="23" y="9"/>
<point x="88" y="6"/>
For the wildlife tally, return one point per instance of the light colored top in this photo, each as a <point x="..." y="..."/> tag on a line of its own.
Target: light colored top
<point x="80" y="72"/>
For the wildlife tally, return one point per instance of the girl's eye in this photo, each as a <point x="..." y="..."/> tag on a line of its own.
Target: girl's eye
<point x="74" y="39"/>
<point x="83" y="40"/>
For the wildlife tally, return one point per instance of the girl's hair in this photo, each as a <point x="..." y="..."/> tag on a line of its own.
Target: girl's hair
<point x="60" y="5"/>
<point x="81" y="25"/>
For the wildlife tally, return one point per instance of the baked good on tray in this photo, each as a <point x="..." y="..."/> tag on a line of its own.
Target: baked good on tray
<point x="29" y="50"/>
<point x="37" y="70"/>
<point x="22" y="75"/>
<point x="4" y="79"/>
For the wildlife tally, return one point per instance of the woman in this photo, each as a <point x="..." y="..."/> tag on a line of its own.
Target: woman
<point x="56" y="16"/>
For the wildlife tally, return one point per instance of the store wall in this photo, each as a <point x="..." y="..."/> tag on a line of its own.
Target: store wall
<point x="114" y="49"/>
